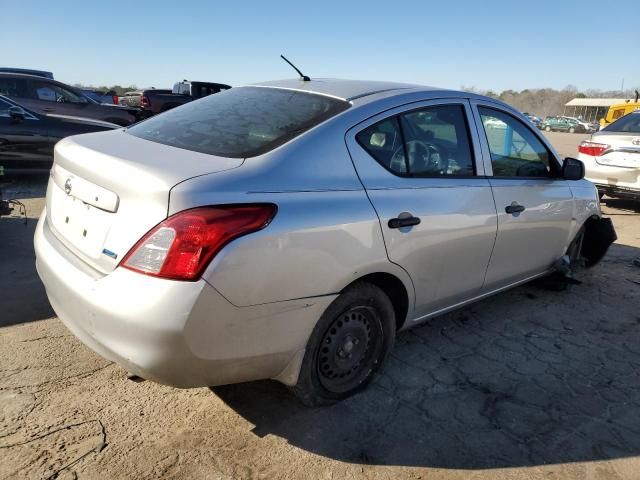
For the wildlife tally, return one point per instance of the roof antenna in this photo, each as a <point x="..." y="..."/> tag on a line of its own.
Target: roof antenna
<point x="304" y="78"/>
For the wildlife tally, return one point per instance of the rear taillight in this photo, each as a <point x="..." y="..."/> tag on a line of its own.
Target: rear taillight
<point x="184" y="244"/>
<point x="114" y="99"/>
<point x="592" y="148"/>
<point x="144" y="101"/>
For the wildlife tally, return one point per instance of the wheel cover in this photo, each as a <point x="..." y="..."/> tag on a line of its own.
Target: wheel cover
<point x="350" y="349"/>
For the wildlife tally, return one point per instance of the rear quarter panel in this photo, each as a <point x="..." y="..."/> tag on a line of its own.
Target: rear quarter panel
<point x="325" y="234"/>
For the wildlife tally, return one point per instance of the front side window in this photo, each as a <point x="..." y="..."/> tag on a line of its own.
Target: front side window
<point x="241" y="122"/>
<point x="4" y="108"/>
<point x="51" y="92"/>
<point x="429" y="142"/>
<point x="515" y="150"/>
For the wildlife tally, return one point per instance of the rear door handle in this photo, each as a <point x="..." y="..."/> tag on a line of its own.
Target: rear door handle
<point x="514" y="208"/>
<point x="403" y="222"/>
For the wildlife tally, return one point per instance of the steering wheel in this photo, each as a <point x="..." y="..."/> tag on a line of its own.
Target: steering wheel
<point x="423" y="157"/>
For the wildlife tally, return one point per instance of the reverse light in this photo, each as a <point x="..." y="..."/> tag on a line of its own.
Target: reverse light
<point x="592" y="148"/>
<point x="182" y="246"/>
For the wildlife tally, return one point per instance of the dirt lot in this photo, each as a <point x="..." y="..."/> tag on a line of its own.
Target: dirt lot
<point x="527" y="384"/>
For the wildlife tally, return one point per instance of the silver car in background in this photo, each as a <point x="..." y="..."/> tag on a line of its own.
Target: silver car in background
<point x="288" y="230"/>
<point x="612" y="157"/>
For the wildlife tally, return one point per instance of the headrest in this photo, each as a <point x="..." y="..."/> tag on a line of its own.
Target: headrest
<point x="378" y="139"/>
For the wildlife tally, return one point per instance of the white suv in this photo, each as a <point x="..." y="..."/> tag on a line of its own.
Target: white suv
<point x="612" y="157"/>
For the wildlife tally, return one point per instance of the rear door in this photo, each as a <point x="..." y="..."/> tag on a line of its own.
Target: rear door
<point x="422" y="169"/>
<point x="534" y="203"/>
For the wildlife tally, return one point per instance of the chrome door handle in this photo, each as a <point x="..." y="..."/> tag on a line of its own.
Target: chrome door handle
<point x="403" y="222"/>
<point x="514" y="208"/>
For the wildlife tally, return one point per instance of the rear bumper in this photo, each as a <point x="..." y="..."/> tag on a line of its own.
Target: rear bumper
<point x="183" y="334"/>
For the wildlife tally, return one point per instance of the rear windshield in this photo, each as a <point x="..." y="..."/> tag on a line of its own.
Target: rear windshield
<point x="240" y="122"/>
<point x="630" y="123"/>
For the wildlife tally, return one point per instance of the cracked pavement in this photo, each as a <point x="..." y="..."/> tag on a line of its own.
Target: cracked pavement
<point x="530" y="383"/>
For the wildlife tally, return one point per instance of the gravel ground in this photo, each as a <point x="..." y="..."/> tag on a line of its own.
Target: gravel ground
<point x="527" y="384"/>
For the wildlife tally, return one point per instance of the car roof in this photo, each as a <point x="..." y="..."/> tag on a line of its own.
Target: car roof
<point x="343" y="89"/>
<point x="28" y="71"/>
<point x="26" y="75"/>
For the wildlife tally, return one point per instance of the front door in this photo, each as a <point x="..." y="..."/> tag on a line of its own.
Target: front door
<point x="534" y="203"/>
<point x="24" y="143"/>
<point x="50" y="97"/>
<point x="422" y="170"/>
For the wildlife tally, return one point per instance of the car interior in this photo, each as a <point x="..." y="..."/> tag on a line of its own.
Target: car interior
<point x="427" y="142"/>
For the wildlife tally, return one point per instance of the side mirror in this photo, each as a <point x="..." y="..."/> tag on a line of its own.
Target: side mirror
<point x="572" y="169"/>
<point x="17" y="114"/>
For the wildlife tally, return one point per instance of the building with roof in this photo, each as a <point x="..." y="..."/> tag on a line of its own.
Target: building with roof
<point x="590" y="109"/>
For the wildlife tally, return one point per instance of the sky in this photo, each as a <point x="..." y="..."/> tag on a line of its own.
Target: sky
<point x="489" y="45"/>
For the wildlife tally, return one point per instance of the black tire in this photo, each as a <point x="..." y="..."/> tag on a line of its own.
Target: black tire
<point x="359" y="323"/>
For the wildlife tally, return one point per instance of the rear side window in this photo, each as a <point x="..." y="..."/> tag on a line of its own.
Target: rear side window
<point x="429" y="142"/>
<point x="13" y="87"/>
<point x="629" y="123"/>
<point x="240" y="122"/>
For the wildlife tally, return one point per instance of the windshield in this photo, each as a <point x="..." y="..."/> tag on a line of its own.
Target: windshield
<point x="240" y="122"/>
<point x="630" y="123"/>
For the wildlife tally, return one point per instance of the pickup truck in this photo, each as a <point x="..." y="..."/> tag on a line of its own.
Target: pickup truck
<point x="154" y="101"/>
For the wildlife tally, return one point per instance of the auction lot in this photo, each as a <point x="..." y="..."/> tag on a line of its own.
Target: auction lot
<point x="531" y="383"/>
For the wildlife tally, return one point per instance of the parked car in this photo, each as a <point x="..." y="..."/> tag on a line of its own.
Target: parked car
<point x="154" y="101"/>
<point x="28" y="71"/>
<point x="537" y="121"/>
<point x="27" y="138"/>
<point x="304" y="224"/>
<point x="44" y="95"/>
<point x="612" y="158"/>
<point x="588" y="127"/>
<point x="562" y="124"/>
<point x="109" y="98"/>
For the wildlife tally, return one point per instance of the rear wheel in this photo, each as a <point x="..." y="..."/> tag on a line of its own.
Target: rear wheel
<point x="547" y="128"/>
<point x="572" y="130"/>
<point x="348" y="345"/>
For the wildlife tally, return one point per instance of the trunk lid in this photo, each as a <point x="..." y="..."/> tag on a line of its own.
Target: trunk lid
<point x="624" y="151"/>
<point x="107" y="190"/>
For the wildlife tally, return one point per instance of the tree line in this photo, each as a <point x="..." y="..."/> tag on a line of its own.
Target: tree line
<point x="548" y="101"/>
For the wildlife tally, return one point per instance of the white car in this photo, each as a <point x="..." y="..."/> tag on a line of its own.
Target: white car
<point x="612" y="157"/>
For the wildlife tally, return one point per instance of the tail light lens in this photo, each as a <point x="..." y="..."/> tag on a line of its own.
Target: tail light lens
<point x="114" y="99"/>
<point x="592" y="148"/>
<point x="144" y="101"/>
<point x="182" y="246"/>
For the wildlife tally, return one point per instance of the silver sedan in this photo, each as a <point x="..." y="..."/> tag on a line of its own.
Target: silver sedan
<point x="288" y="230"/>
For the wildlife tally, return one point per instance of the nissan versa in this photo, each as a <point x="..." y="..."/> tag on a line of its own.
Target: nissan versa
<point x="288" y="230"/>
